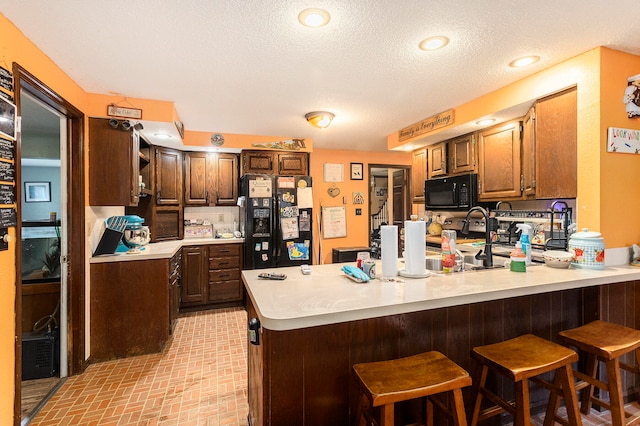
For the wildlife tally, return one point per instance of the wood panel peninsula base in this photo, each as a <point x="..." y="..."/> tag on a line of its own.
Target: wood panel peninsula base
<point x="316" y="327"/>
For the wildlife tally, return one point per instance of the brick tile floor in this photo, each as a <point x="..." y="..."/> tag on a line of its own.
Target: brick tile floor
<point x="199" y="379"/>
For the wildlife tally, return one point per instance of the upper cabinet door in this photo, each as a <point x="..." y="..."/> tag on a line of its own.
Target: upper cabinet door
<point x="529" y="153"/>
<point x="499" y="162"/>
<point x="257" y="162"/>
<point x="437" y="160"/>
<point x="195" y="178"/>
<point x="418" y="175"/>
<point x="556" y="146"/>
<point x="462" y="154"/>
<point x="168" y="177"/>
<point x="113" y="165"/>
<point x="226" y="179"/>
<point x="293" y="163"/>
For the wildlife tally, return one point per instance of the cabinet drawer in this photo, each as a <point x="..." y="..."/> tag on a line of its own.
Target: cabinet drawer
<point x="225" y="291"/>
<point x="223" y="275"/>
<point x="224" y="262"/>
<point x="224" y="250"/>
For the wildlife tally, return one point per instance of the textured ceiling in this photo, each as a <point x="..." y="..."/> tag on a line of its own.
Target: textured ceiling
<point x="249" y="67"/>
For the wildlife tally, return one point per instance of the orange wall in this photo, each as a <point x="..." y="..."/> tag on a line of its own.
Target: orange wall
<point x="357" y="226"/>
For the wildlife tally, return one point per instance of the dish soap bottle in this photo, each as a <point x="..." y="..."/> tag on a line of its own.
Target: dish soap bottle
<point x="525" y="240"/>
<point x="518" y="259"/>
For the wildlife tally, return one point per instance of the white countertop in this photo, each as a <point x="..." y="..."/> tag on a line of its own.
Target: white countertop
<point x="163" y="250"/>
<point x="327" y="296"/>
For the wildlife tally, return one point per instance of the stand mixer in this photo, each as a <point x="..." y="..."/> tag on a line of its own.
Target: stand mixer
<point x="135" y="235"/>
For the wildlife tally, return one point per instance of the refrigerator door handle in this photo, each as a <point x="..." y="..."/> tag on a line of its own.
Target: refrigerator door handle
<point x="275" y="228"/>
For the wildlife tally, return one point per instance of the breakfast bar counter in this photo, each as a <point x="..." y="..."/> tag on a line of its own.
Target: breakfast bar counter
<point x="315" y="327"/>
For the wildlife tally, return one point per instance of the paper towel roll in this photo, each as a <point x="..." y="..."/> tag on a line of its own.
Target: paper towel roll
<point x="414" y="247"/>
<point x="389" y="250"/>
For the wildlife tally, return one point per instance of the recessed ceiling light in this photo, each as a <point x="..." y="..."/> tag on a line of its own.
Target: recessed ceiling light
<point x="524" y="61"/>
<point x="485" y="121"/>
<point x="162" y="135"/>
<point x="314" y="17"/>
<point x="433" y="43"/>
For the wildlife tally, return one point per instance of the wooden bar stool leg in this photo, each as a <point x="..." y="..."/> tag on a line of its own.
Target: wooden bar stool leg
<point x="554" y="402"/>
<point x="615" y="392"/>
<point x="429" y="404"/>
<point x="638" y="366"/>
<point x="523" y="415"/>
<point x="361" y="419"/>
<point x="459" y="417"/>
<point x="566" y="381"/>
<point x="478" y="391"/>
<point x="386" y="415"/>
<point x="587" y="393"/>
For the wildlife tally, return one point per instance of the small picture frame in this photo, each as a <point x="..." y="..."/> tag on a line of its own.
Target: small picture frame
<point x="7" y="119"/>
<point x="37" y="192"/>
<point x="357" y="171"/>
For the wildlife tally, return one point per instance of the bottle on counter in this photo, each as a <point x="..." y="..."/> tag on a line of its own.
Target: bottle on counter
<point x="518" y="259"/>
<point x="525" y="240"/>
<point x="448" y="250"/>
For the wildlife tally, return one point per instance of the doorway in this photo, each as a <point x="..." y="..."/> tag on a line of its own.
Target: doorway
<point x="389" y="202"/>
<point x="50" y="255"/>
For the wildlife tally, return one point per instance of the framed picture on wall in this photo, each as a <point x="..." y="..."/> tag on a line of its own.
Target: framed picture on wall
<point x="37" y="192"/>
<point x="7" y="119"/>
<point x="357" y="172"/>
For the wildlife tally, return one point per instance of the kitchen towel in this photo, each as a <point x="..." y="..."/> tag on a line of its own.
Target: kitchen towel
<point x="414" y="247"/>
<point x="389" y="250"/>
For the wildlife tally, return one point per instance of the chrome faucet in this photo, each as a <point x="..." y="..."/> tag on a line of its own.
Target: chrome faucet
<point x="491" y="225"/>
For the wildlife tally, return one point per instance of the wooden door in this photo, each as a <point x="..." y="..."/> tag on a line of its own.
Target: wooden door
<point x="437" y="160"/>
<point x="499" y="161"/>
<point x="418" y="175"/>
<point x="400" y="208"/>
<point x="556" y="146"/>
<point x="529" y="154"/>
<point x="462" y="154"/>
<point x="113" y="165"/>
<point x="195" y="178"/>
<point x="226" y="179"/>
<point x="258" y="162"/>
<point x="194" y="275"/>
<point x="293" y="163"/>
<point x="168" y="177"/>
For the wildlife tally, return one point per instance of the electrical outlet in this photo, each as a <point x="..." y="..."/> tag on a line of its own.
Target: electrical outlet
<point x="221" y="217"/>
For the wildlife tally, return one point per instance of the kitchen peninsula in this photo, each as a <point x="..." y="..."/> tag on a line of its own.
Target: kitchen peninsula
<point x="315" y="327"/>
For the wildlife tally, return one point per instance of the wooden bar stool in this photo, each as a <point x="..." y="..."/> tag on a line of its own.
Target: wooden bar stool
<point x="521" y="359"/>
<point x="607" y="342"/>
<point x="384" y="383"/>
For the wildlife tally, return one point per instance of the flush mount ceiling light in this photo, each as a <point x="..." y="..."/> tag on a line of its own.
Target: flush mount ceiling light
<point x="314" y="18"/>
<point x="319" y="119"/>
<point x="524" y="61"/>
<point x="485" y="121"/>
<point x="433" y="43"/>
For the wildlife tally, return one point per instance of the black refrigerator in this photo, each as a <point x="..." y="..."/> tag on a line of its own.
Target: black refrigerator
<point x="277" y="220"/>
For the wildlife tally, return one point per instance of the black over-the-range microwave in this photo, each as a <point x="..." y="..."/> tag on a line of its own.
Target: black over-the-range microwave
<point x="451" y="193"/>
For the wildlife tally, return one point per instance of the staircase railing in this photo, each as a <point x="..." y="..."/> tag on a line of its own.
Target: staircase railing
<point x="381" y="217"/>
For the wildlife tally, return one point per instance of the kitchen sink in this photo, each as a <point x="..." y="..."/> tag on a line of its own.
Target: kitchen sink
<point x="434" y="263"/>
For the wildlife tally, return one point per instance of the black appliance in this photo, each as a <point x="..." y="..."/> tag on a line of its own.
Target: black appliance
<point x="451" y="193"/>
<point x="278" y="221"/>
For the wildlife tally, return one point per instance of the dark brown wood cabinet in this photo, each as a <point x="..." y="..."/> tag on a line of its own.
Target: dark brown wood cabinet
<point x="211" y="275"/>
<point x="168" y="168"/>
<point x="462" y="154"/>
<point x="210" y="179"/>
<point x="129" y="303"/>
<point x="113" y="164"/>
<point x="528" y="179"/>
<point x="161" y="203"/>
<point x="556" y="146"/>
<point x="225" y="262"/>
<point x="499" y="162"/>
<point x="274" y="162"/>
<point x="418" y="175"/>
<point x="194" y="274"/>
<point x="437" y="160"/>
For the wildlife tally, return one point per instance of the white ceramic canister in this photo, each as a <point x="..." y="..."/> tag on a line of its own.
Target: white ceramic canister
<point x="588" y="249"/>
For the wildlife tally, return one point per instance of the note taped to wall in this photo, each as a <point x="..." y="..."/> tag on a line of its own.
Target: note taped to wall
<point x="623" y="140"/>
<point x="334" y="222"/>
